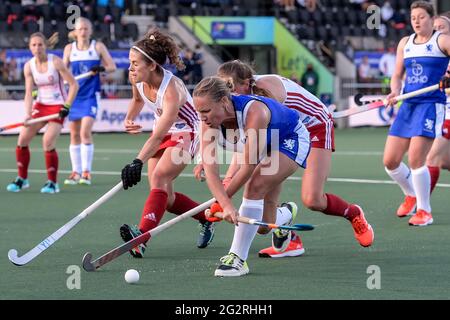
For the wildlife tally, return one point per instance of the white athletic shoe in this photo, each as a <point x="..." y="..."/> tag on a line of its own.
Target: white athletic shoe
<point x="282" y="238"/>
<point x="231" y="266"/>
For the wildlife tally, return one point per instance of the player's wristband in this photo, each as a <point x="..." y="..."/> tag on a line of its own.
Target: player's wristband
<point x="67" y="105"/>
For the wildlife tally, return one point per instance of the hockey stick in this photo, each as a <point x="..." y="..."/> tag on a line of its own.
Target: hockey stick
<point x="90" y="265"/>
<point x="380" y="103"/>
<point x="36" y="120"/>
<point x="46" y="118"/>
<point x="46" y="243"/>
<point x="83" y="75"/>
<point x="295" y="227"/>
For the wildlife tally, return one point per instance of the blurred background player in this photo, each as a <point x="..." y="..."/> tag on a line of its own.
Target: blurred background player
<point x="84" y="55"/>
<point x="318" y="120"/>
<point x="47" y="72"/>
<point x="424" y="57"/>
<point x="250" y="116"/>
<point x="174" y="140"/>
<point x="439" y="156"/>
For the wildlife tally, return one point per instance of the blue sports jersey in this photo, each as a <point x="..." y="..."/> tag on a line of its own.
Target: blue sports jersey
<point x="425" y="64"/>
<point x="293" y="138"/>
<point x="81" y="61"/>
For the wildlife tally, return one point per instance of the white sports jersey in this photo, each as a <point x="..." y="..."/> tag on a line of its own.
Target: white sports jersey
<point x="187" y="120"/>
<point x="50" y="85"/>
<point x="311" y="110"/>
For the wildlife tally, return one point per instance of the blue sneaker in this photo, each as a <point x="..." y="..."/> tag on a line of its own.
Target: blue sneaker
<point x="128" y="233"/>
<point x="50" y="187"/>
<point x="206" y="234"/>
<point x="18" y="184"/>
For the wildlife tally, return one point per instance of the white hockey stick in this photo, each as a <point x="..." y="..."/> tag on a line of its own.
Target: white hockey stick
<point x="90" y="265"/>
<point x="380" y="103"/>
<point x="47" y="242"/>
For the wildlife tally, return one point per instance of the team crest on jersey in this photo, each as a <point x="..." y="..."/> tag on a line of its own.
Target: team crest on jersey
<point x="51" y="79"/>
<point x="180" y="125"/>
<point x="56" y="95"/>
<point x="159" y="112"/>
<point x="429" y="124"/>
<point x="429" y="47"/>
<point x="90" y="52"/>
<point x="289" y="144"/>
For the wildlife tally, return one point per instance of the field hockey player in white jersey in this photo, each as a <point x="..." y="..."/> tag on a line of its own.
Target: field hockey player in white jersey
<point x="48" y="73"/>
<point x="84" y="55"/>
<point x="317" y="119"/>
<point x="424" y="58"/>
<point x="439" y="156"/>
<point x="174" y="139"/>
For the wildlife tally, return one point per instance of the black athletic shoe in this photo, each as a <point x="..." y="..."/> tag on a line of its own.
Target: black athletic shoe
<point x="128" y="233"/>
<point x="206" y="234"/>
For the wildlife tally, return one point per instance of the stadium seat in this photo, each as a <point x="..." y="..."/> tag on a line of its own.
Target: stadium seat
<point x="48" y="28"/>
<point x="58" y="11"/>
<point x="132" y="30"/>
<point x="162" y="14"/>
<point x="3" y="12"/>
<point x="16" y="9"/>
<point x="116" y="13"/>
<point x="31" y="27"/>
<point x="45" y="12"/>
<point x="101" y="12"/>
<point x="119" y="31"/>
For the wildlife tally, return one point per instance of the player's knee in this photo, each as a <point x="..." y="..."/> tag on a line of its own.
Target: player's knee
<point x="391" y="164"/>
<point x="86" y="137"/>
<point x="416" y="163"/>
<point x="256" y="188"/>
<point x="160" y="180"/>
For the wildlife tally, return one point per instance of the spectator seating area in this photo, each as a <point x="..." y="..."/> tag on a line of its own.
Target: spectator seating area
<point x="18" y="22"/>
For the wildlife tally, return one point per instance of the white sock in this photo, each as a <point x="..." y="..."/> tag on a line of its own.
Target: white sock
<point x="75" y="157"/>
<point x="244" y="233"/>
<point x="402" y="175"/>
<point x="87" y="154"/>
<point x="421" y="180"/>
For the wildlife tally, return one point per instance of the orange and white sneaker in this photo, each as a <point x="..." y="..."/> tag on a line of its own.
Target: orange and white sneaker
<point x="421" y="219"/>
<point x="294" y="249"/>
<point x="85" y="178"/>
<point x="73" y="179"/>
<point x="407" y="208"/>
<point x="362" y="229"/>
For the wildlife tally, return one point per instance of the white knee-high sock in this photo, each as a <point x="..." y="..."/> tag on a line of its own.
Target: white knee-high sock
<point x="244" y="233"/>
<point x="75" y="157"/>
<point x="402" y="175"/>
<point x="87" y="154"/>
<point x="421" y="180"/>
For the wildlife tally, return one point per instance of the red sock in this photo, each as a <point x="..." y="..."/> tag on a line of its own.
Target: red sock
<point x="336" y="206"/>
<point x="23" y="160"/>
<point x="154" y="209"/>
<point x="51" y="162"/>
<point x="434" y="175"/>
<point x="182" y="204"/>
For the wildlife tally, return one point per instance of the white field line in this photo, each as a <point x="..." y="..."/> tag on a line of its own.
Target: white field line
<point x="136" y="151"/>
<point x="189" y="175"/>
